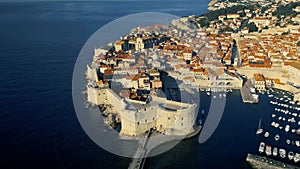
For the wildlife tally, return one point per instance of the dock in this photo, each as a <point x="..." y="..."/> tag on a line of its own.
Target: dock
<point x="247" y="96"/>
<point x="259" y="162"/>
<point x="150" y="143"/>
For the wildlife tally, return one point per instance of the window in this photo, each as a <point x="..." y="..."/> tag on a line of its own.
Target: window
<point x="169" y="118"/>
<point x="138" y="123"/>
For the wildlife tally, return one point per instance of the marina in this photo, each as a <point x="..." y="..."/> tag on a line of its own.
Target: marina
<point x="280" y="141"/>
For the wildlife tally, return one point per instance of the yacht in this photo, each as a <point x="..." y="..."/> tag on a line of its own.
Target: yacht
<point x="275" y="151"/>
<point x="208" y="93"/>
<point x="277" y="137"/>
<point x="268" y="150"/>
<point x="287" y="128"/>
<point x="297" y="157"/>
<point x="261" y="147"/>
<point x="288" y="141"/>
<point x="291" y="155"/>
<point x="273" y="115"/>
<point x="297" y="142"/>
<point x="282" y="153"/>
<point x="259" y="129"/>
<point x="267" y="134"/>
<point x="273" y="124"/>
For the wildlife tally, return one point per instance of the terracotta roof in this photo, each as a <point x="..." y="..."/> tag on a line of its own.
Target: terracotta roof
<point x="296" y="65"/>
<point x="258" y="77"/>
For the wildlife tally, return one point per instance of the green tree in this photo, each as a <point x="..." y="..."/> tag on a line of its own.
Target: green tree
<point x="243" y="14"/>
<point x="252" y="27"/>
<point x="204" y="22"/>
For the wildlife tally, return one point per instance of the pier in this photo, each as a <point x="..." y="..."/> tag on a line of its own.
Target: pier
<point x="150" y="143"/>
<point x="247" y="96"/>
<point x="259" y="162"/>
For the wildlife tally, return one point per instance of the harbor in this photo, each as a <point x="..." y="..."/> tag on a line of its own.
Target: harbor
<point x="278" y="131"/>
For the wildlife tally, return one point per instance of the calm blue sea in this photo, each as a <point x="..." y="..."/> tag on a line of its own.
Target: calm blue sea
<point x="39" y="44"/>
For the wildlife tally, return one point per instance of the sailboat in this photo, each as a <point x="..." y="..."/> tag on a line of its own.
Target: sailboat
<point x="259" y="130"/>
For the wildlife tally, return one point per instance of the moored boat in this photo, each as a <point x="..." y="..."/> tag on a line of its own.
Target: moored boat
<point x="259" y="129"/>
<point x="297" y="157"/>
<point x="267" y="134"/>
<point x="277" y="137"/>
<point x="291" y="155"/>
<point x="275" y="151"/>
<point x="287" y="128"/>
<point x="261" y="147"/>
<point x="268" y="150"/>
<point x="282" y="153"/>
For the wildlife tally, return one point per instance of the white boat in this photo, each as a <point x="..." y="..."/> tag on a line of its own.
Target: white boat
<point x="273" y="115"/>
<point x="277" y="137"/>
<point x="208" y="93"/>
<point x="297" y="157"/>
<point x="259" y="129"/>
<point x="291" y="155"/>
<point x="261" y="147"/>
<point x="200" y="122"/>
<point x="297" y="142"/>
<point x="288" y="141"/>
<point x="267" y="134"/>
<point x="273" y="124"/>
<point x="268" y="150"/>
<point x="275" y="151"/>
<point x="287" y="128"/>
<point x="202" y="112"/>
<point x="293" y="120"/>
<point x="282" y="153"/>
